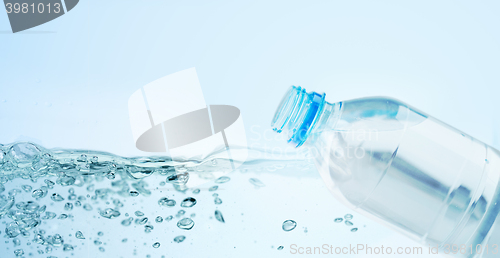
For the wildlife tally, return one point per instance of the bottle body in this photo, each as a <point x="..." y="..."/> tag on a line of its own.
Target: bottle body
<point x="404" y="168"/>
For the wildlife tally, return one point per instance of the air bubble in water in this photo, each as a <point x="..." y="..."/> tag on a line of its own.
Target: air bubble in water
<point x="24" y="153"/>
<point x="39" y="193"/>
<point x="68" y="206"/>
<point x="256" y="182"/>
<point x="127" y="222"/>
<point x="139" y="213"/>
<point x="222" y="179"/>
<point x="166" y="202"/>
<point x="218" y="216"/>
<point x="19" y="252"/>
<point x="141" y="221"/>
<point x="100" y="233"/>
<point x="169" y="218"/>
<point x="109" y="213"/>
<point x="213" y="188"/>
<point x="217" y="200"/>
<point x="280" y="247"/>
<point x="338" y="220"/>
<point x="27" y="188"/>
<point x="148" y="228"/>
<point x="49" y="183"/>
<point x="196" y="191"/>
<point x="179" y="239"/>
<point x="156" y="245"/>
<point x="348" y="216"/>
<point x="289" y="225"/>
<point x="180" y="213"/>
<point x="56" y="197"/>
<point x="159" y="219"/>
<point x="134" y="193"/>
<point x="188" y="202"/>
<point x="68" y="248"/>
<point x="348" y="223"/>
<point x="354" y="229"/>
<point x="87" y="207"/>
<point x="79" y="235"/>
<point x="185" y="223"/>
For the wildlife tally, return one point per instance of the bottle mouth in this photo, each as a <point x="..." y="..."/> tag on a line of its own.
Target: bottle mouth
<point x="297" y="114"/>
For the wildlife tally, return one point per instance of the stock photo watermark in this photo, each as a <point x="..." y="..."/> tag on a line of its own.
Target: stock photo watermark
<point x="365" y="249"/>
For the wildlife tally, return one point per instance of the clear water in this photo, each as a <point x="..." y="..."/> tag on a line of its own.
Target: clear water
<point x="57" y="203"/>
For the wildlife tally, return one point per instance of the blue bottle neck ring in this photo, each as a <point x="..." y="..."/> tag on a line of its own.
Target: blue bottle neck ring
<point x="298" y="113"/>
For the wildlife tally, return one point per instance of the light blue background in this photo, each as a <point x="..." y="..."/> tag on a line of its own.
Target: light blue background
<point x="66" y="83"/>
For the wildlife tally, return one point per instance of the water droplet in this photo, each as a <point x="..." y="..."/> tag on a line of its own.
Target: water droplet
<point x="49" y="183"/>
<point x="39" y="193"/>
<point x="213" y="188"/>
<point x="68" y="206"/>
<point x="169" y="218"/>
<point x="56" y="197"/>
<point x="180" y="178"/>
<point x="56" y="240"/>
<point x="215" y="195"/>
<point x="289" y="225"/>
<point x="79" y="235"/>
<point x="139" y="213"/>
<point x="141" y="221"/>
<point x="16" y="242"/>
<point x="217" y="200"/>
<point x="280" y="247"/>
<point x="354" y="229"/>
<point x="27" y="188"/>
<point x="23" y="154"/>
<point x="338" y="220"/>
<point x="256" y="182"/>
<point x="127" y="222"/>
<point x="100" y="233"/>
<point x="159" y="219"/>
<point x="148" y="228"/>
<point x="185" y="223"/>
<point x="196" y="191"/>
<point x="222" y="179"/>
<point x="166" y="202"/>
<point x="134" y="193"/>
<point x="218" y="216"/>
<point x="68" y="248"/>
<point x="109" y="213"/>
<point x="87" y="207"/>
<point x="179" y="239"/>
<point x="348" y="216"/>
<point x="19" y="252"/>
<point x="12" y="230"/>
<point x="188" y="202"/>
<point x="97" y="242"/>
<point x="102" y="249"/>
<point x="348" y="223"/>
<point x="156" y="245"/>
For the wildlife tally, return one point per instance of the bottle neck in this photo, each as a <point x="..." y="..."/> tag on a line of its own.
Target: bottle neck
<point x="301" y="114"/>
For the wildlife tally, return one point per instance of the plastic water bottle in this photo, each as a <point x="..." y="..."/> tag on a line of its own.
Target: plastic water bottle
<point x="401" y="167"/>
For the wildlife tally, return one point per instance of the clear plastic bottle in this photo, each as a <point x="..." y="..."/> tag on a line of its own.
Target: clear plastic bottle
<point x="402" y="167"/>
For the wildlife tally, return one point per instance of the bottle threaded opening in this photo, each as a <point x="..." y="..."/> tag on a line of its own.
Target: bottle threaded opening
<point x="297" y="114"/>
